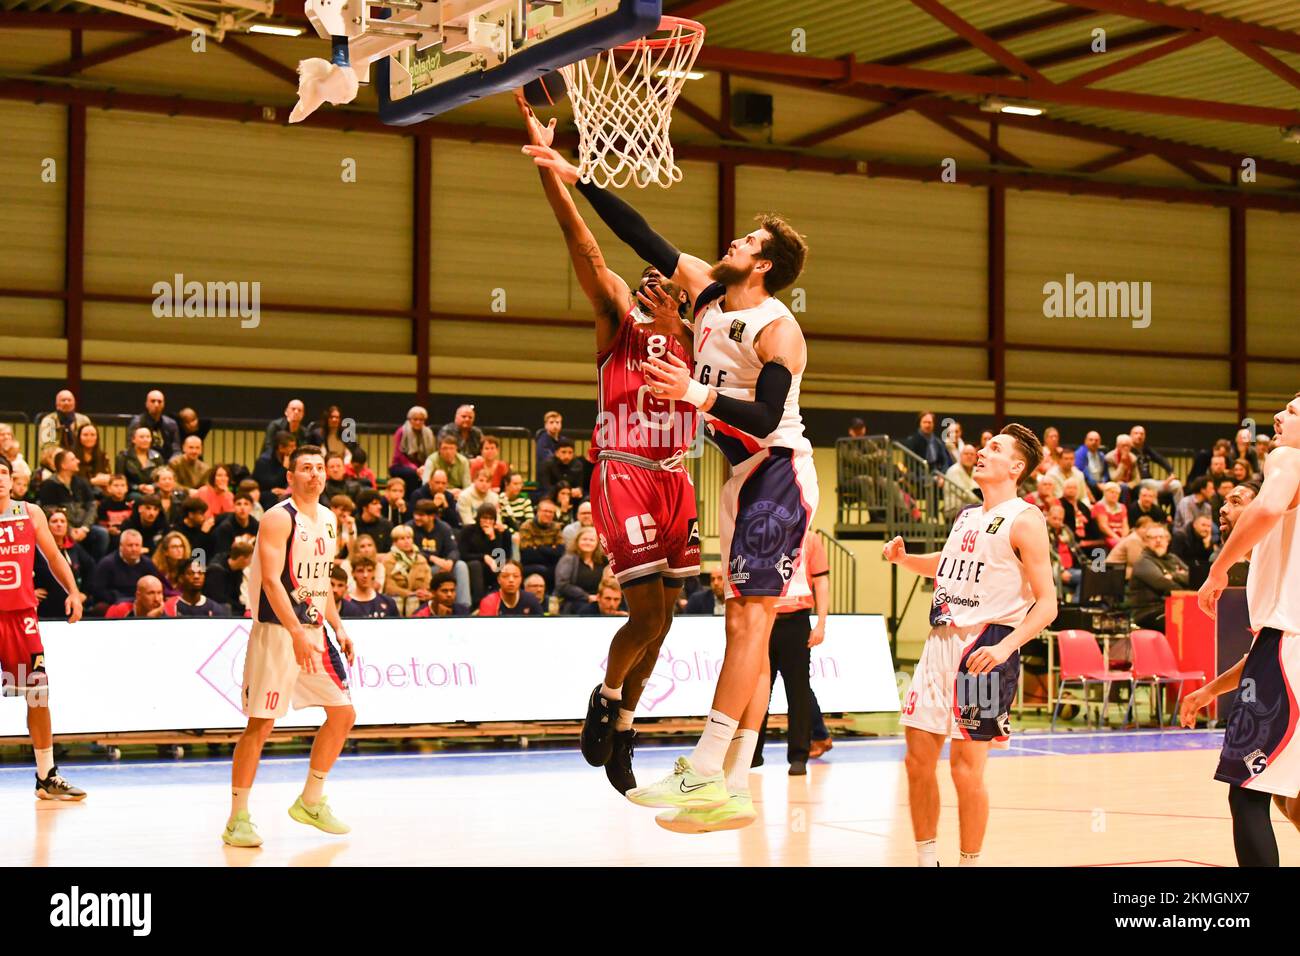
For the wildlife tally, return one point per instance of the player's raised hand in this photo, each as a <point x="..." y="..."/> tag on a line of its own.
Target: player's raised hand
<point x="538" y="134"/>
<point x="547" y="158"/>
<point x="1192" y="703"/>
<point x="668" y="376"/>
<point x="658" y="303"/>
<point x="894" y="550"/>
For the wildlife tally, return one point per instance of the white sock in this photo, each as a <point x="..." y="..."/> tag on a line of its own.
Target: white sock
<point x="624" y="721"/>
<point x="969" y="859"/>
<point x="740" y="754"/>
<point x="315" y="787"/>
<point x="711" y="751"/>
<point x="611" y="693"/>
<point x="927" y="853"/>
<point x="44" y="761"/>
<point x="238" y="799"/>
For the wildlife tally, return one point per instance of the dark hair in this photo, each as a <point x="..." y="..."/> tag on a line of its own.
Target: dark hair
<point x="563" y="442"/>
<point x="323" y="423"/>
<point x="1253" y="485"/>
<point x="449" y="438"/>
<point x="1027" y="445"/>
<point x="425" y="506"/>
<point x="249" y="485"/>
<point x="493" y="439"/>
<point x="511" y="476"/>
<point x="7" y="467"/>
<point x="148" y="501"/>
<point x="1197" y="483"/>
<point x="363" y="561"/>
<point x="441" y="578"/>
<point x="240" y="549"/>
<point x="113" y="478"/>
<point x="344" y="502"/>
<point x="211" y="479"/>
<point x="367" y="496"/>
<point x="486" y="511"/>
<point x="358" y="456"/>
<point x="243" y="496"/>
<point x="194" y="506"/>
<point x="282" y="439"/>
<point x="331" y="456"/>
<point x="338" y="574"/>
<point x="920" y="417"/>
<point x="786" y="250"/>
<point x="302" y="450"/>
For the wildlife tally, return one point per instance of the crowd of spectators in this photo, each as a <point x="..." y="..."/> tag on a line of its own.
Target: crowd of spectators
<point x="162" y="530"/>
<point x="1124" y="504"/>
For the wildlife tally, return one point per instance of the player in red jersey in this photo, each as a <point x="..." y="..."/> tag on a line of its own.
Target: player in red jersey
<point x="643" y="502"/>
<point x="23" y="529"/>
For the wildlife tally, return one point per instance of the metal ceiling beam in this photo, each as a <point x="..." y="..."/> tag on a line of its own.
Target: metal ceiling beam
<point x="996" y="153"/>
<point x="1007" y="31"/>
<point x="1109" y="161"/>
<point x="1224" y="27"/>
<point x="852" y="124"/>
<point x="1191" y="169"/>
<point x="1268" y="61"/>
<point x="260" y="60"/>
<point x="978" y="39"/>
<point x="136" y="44"/>
<point x="114" y="22"/>
<point x="717" y="127"/>
<point x="1082" y="50"/>
<point x="910" y="78"/>
<point x="1043" y="124"/>
<point x="1180" y="42"/>
<point x="782" y="159"/>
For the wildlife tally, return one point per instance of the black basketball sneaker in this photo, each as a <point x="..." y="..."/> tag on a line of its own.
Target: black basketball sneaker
<point x="619" y="768"/>
<point x="598" y="729"/>
<point x="54" y="787"/>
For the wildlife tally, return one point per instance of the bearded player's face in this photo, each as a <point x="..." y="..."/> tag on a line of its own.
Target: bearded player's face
<point x="743" y="255"/>
<point x="308" y="476"/>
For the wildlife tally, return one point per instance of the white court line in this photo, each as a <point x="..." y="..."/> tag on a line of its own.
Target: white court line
<point x="526" y="752"/>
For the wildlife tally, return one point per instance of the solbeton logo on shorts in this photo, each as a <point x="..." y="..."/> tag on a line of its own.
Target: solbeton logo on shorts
<point x="640" y="529"/>
<point x="1256" y="763"/>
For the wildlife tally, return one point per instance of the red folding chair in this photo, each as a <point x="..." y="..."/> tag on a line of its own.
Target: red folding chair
<point x="1155" y="666"/>
<point x="1082" y="663"/>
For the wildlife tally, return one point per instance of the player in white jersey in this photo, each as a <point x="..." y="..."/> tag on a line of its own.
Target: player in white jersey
<point x="289" y="655"/>
<point x="1261" y="753"/>
<point x="749" y="359"/>
<point x="993" y="591"/>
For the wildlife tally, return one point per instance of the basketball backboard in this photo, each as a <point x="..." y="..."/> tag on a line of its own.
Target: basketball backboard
<point x="430" y="56"/>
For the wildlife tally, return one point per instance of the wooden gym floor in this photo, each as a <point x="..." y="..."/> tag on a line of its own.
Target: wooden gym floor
<point x="1070" y="799"/>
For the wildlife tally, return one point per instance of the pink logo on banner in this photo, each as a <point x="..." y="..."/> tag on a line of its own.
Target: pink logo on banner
<point x="223" y="671"/>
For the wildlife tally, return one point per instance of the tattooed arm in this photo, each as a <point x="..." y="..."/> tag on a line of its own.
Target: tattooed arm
<point x="607" y="292"/>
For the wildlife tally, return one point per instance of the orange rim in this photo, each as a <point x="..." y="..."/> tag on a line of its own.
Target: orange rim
<point x="691" y="30"/>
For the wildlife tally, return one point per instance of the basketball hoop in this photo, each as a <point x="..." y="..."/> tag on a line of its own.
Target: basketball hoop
<point x="623" y="105"/>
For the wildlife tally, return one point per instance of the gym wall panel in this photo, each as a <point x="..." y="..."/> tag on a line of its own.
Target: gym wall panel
<point x="496" y="246"/>
<point x="32" y="210"/>
<point x="837" y="357"/>
<point x="287" y="333"/>
<point x="1119" y="372"/>
<point x="35" y="318"/>
<point x="221" y="201"/>
<point x="1181" y="250"/>
<point x="1281" y="382"/>
<point x="1272" y="284"/>
<point x="535" y="345"/>
<point x="885" y="257"/>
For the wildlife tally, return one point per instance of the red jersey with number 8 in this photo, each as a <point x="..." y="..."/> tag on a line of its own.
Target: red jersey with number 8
<point x="630" y="418"/>
<point x="17" y="553"/>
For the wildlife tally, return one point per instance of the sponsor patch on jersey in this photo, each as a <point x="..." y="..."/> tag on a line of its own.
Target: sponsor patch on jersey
<point x="693" y="535"/>
<point x="994" y="525"/>
<point x="737" y="332"/>
<point x="1256" y="763"/>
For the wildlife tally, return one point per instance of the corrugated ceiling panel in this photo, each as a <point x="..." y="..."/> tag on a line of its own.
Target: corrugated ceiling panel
<point x="1050" y="152"/>
<point x="1272" y="285"/>
<point x="1282" y="14"/>
<point x="885" y="257"/>
<point x="1181" y="250"/>
<point x="219" y="201"/>
<point x="25" y="51"/>
<point x="32" y="210"/>
<point x="910" y="136"/>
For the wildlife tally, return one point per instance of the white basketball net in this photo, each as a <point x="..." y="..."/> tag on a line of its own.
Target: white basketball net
<point x="623" y="106"/>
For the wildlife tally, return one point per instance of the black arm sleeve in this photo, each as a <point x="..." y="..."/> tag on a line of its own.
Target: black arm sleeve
<point x="761" y="416"/>
<point x="630" y="226"/>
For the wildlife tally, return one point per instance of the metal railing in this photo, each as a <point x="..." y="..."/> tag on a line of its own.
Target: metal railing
<point x="843" y="566"/>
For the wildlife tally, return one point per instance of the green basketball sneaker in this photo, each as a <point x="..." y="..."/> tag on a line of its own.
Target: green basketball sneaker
<point x="240" y="831"/>
<point x="319" y="816"/>
<point x="683" y="788"/>
<point x="737" y="812"/>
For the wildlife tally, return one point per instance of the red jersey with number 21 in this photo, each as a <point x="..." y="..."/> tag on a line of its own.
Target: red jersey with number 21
<point x="630" y="418"/>
<point x="17" y="553"/>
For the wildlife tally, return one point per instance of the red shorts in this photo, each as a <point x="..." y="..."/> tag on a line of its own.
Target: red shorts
<point x="22" y="656"/>
<point x="646" y="519"/>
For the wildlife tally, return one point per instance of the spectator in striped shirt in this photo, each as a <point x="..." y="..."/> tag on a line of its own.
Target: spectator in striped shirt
<point x="515" y="507"/>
